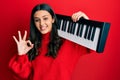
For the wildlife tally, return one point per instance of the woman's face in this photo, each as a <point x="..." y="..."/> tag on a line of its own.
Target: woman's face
<point x="43" y="21"/>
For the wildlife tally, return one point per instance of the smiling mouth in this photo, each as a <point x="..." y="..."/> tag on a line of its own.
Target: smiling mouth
<point x="42" y="28"/>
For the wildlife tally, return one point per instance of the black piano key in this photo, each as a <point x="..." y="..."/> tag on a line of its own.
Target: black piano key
<point x="59" y="22"/>
<point x="78" y="30"/>
<point x="81" y="30"/>
<point x="86" y="31"/>
<point x="64" y="25"/>
<point x="73" y="28"/>
<point x="89" y="33"/>
<point x="69" y="27"/>
<point x="93" y="33"/>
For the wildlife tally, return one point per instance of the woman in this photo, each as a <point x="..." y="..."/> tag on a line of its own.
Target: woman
<point x="45" y="56"/>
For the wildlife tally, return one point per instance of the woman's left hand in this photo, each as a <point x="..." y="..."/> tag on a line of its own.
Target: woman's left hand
<point x="76" y="16"/>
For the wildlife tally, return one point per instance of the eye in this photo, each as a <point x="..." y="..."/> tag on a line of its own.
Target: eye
<point x="36" y="20"/>
<point x="45" y="18"/>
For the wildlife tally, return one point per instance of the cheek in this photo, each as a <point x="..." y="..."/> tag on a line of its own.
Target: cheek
<point x="50" y="25"/>
<point x="37" y="25"/>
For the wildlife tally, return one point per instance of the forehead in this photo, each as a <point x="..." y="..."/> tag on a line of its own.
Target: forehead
<point x="41" y="13"/>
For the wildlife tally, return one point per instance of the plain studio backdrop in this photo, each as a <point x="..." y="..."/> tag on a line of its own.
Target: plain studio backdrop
<point x="15" y="15"/>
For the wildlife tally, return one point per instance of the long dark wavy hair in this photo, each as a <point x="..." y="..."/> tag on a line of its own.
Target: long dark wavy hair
<point x="36" y="37"/>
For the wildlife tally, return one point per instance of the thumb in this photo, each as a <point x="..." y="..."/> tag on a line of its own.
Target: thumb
<point x="29" y="43"/>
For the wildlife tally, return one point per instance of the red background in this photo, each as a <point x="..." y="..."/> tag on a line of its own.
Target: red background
<point x="15" y="15"/>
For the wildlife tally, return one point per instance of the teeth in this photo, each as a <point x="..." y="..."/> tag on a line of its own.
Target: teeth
<point x="43" y="28"/>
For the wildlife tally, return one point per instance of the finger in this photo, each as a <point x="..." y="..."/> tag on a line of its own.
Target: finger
<point x="30" y="47"/>
<point x="80" y="15"/>
<point x="76" y="16"/>
<point x="85" y="16"/>
<point x="73" y="17"/>
<point x="29" y="43"/>
<point x="25" y="35"/>
<point x="19" y="34"/>
<point x="15" y="39"/>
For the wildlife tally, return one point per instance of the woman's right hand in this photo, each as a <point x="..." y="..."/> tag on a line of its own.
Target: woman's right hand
<point x="22" y="43"/>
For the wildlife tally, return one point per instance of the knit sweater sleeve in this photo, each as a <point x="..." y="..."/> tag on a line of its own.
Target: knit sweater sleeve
<point x="21" y="66"/>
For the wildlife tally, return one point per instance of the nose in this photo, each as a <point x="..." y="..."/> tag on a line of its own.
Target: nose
<point x="41" y="22"/>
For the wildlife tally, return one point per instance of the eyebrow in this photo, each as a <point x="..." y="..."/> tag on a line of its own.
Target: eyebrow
<point x="42" y="16"/>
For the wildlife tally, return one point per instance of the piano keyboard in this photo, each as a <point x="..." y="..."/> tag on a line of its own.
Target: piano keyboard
<point x="88" y="33"/>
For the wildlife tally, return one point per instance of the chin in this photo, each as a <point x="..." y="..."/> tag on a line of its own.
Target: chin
<point x="44" y="32"/>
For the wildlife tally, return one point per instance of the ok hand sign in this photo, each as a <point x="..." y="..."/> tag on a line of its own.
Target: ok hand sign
<point x="22" y="46"/>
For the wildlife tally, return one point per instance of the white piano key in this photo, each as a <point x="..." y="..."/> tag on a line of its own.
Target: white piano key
<point x="83" y="32"/>
<point x="61" y="24"/>
<point x="97" y="33"/>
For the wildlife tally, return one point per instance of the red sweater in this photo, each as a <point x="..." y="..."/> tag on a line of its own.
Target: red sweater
<point x="45" y="67"/>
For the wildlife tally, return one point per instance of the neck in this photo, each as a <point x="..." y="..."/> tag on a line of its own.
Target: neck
<point x="46" y="37"/>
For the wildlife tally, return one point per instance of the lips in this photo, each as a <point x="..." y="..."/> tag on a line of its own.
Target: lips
<point x="43" y="28"/>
